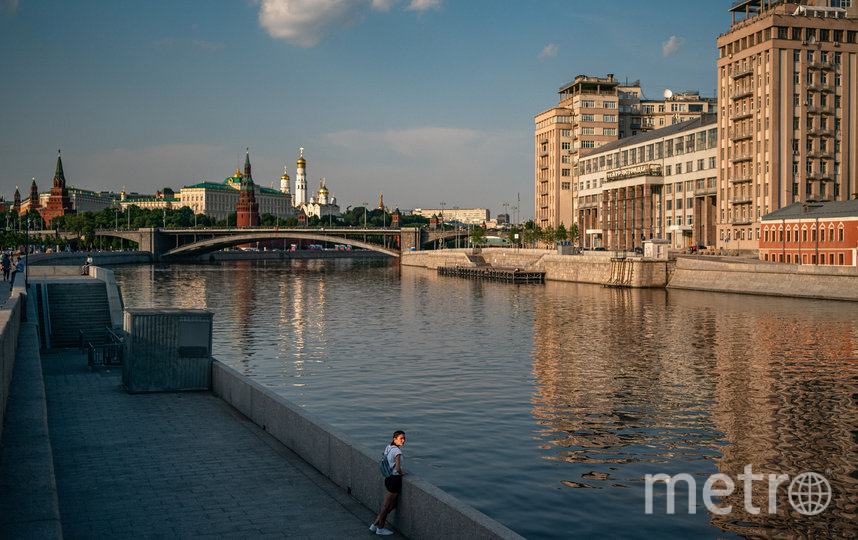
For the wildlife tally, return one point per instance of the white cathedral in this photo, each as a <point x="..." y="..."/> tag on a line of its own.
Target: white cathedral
<point x="320" y="204"/>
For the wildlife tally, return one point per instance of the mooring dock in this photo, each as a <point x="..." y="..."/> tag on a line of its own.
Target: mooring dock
<point x="509" y="275"/>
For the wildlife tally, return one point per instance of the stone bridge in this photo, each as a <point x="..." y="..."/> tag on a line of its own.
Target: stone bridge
<point x="189" y="242"/>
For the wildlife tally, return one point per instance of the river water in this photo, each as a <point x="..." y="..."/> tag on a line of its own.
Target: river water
<point x="546" y="406"/>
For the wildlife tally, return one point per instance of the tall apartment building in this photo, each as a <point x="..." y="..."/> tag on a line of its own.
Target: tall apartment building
<point x="788" y="97"/>
<point x="591" y="112"/>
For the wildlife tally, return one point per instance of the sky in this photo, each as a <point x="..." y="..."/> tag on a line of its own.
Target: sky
<point x="425" y="101"/>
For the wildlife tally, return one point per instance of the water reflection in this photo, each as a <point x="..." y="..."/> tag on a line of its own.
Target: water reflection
<point x="561" y="397"/>
<point x="633" y="382"/>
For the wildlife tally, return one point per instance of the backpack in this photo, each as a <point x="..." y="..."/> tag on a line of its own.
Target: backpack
<point x="384" y="465"/>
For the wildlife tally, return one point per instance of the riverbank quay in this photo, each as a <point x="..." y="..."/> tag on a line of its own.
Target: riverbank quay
<point x="693" y="272"/>
<point x="192" y="464"/>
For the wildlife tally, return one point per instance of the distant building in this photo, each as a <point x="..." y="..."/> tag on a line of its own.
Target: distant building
<point x="58" y="203"/>
<point x="467" y="216"/>
<point x="86" y="201"/>
<point x="592" y="112"/>
<point x="162" y="199"/>
<point x="31" y="203"/>
<point x="320" y="204"/>
<point x="660" y="184"/>
<point x="247" y="209"/>
<point x="811" y="233"/>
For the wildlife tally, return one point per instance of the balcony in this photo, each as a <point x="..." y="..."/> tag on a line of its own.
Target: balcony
<point x="738" y="74"/>
<point x="739" y="180"/>
<point x="821" y="154"/>
<point x="705" y="191"/>
<point x="543" y="154"/>
<point x="741" y="115"/>
<point x="738" y="135"/>
<point x="742" y="199"/>
<point x="828" y="65"/>
<point x="741" y="158"/>
<point x="543" y="167"/>
<point x="821" y="132"/>
<point x="739" y="94"/>
<point x="741" y="221"/>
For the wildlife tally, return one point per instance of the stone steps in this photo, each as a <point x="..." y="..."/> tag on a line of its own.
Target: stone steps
<point x="78" y="306"/>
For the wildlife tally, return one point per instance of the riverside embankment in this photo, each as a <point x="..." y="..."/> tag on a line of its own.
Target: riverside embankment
<point x="702" y="273"/>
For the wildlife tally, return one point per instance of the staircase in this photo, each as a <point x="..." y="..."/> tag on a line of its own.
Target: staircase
<point x="74" y="307"/>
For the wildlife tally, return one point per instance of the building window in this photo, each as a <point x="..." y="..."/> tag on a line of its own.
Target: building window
<point x="588" y="144"/>
<point x="564" y="172"/>
<point x="566" y="145"/>
<point x="588" y="104"/>
<point x="588" y="131"/>
<point x="565" y="186"/>
<point x="609" y="118"/>
<point x="565" y="132"/>
<point x="609" y="131"/>
<point x="711" y="162"/>
<point x="700" y="165"/>
<point x="679" y="168"/>
<point x="588" y="118"/>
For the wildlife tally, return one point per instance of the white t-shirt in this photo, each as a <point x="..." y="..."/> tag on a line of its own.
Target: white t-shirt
<point x="391" y="452"/>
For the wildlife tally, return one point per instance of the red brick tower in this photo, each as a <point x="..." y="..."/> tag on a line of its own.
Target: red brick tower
<point x="247" y="209"/>
<point x="59" y="203"/>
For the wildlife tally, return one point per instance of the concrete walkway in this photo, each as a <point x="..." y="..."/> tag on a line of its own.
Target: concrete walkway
<point x="177" y="465"/>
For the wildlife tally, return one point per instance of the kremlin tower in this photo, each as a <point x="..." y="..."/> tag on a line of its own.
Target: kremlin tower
<point x="59" y="203"/>
<point x="247" y="209"/>
<point x="284" y="185"/>
<point x="301" y="181"/>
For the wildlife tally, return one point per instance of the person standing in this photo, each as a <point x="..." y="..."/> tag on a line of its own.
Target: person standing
<point x="7" y="266"/>
<point x="392" y="483"/>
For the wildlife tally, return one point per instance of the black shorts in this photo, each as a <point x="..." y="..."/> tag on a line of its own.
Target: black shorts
<point x="393" y="483"/>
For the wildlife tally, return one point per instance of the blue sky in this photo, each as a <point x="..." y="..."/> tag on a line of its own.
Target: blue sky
<point x="422" y="100"/>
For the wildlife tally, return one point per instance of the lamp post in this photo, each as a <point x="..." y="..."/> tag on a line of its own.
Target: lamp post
<point x="364" y="220"/>
<point x="27" y="253"/>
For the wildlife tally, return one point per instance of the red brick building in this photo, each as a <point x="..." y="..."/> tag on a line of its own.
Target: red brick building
<point x="812" y="233"/>
<point x="59" y="204"/>
<point x="247" y="209"/>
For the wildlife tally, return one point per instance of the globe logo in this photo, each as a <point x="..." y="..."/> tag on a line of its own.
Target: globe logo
<point x="809" y="493"/>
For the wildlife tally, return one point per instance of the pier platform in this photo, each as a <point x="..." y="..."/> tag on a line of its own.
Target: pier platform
<point x="165" y="465"/>
<point x="491" y="273"/>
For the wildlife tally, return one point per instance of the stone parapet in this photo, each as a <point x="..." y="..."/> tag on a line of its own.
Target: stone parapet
<point x="802" y="281"/>
<point x="424" y="510"/>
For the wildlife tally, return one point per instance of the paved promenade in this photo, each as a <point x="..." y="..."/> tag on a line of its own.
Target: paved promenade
<point x="173" y="465"/>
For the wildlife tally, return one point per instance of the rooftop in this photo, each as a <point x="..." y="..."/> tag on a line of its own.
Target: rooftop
<point x="830" y="209"/>
<point x="656" y="134"/>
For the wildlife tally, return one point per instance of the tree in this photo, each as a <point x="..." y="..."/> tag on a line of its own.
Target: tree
<point x="560" y="234"/>
<point x="512" y="235"/>
<point x="547" y="235"/>
<point x="478" y="235"/>
<point x="574" y="233"/>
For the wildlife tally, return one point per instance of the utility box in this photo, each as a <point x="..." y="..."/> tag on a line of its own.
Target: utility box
<point x="656" y="248"/>
<point x="167" y="350"/>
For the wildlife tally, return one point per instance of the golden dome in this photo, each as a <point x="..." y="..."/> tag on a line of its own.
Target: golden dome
<point x="238" y="173"/>
<point x="301" y="161"/>
<point x="285" y="176"/>
<point x="323" y="190"/>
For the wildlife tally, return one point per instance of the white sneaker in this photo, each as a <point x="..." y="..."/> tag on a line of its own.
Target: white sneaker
<point x="373" y="528"/>
<point x="384" y="532"/>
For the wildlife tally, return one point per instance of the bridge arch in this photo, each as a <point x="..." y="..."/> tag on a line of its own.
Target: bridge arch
<point x="214" y="244"/>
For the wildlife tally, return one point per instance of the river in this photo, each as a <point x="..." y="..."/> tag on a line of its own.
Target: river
<point x="545" y="406"/>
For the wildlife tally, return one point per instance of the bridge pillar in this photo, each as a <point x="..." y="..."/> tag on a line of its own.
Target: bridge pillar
<point x="410" y="238"/>
<point x="152" y="240"/>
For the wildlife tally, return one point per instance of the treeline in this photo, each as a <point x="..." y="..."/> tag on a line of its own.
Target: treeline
<point x="532" y="234"/>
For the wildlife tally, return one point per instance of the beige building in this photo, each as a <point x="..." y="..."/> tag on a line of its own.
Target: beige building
<point x="788" y="96"/>
<point x="219" y="200"/>
<point x="659" y="184"/>
<point x="592" y="112"/>
<point x="468" y="216"/>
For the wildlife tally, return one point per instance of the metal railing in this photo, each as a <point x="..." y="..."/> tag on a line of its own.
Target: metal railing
<point x="102" y="354"/>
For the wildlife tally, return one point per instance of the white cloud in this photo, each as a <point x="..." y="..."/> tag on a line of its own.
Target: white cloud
<point x="303" y="22"/>
<point x="549" y="51"/>
<point x="672" y="46"/>
<point x="424" y="5"/>
<point x="383" y="5"/>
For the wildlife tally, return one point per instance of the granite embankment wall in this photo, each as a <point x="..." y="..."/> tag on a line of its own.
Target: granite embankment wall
<point x="424" y="510"/>
<point x="10" y="326"/>
<point x="585" y="268"/>
<point x="730" y="275"/>
<point x="78" y="258"/>
<point x="802" y="281"/>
